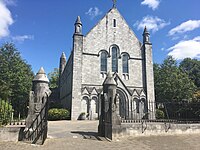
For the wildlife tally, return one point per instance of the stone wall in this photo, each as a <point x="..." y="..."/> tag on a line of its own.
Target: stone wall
<point x="139" y="129"/>
<point x="66" y="84"/>
<point x="102" y="37"/>
<point x="83" y="66"/>
<point x="10" y="133"/>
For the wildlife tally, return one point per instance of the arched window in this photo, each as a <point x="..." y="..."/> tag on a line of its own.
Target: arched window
<point x="114" y="59"/>
<point x="125" y="63"/>
<point x="103" y="62"/>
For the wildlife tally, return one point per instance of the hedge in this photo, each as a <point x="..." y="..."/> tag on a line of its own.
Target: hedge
<point x="58" y="114"/>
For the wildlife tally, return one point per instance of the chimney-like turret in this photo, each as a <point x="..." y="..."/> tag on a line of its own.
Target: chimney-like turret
<point x="146" y="36"/>
<point x="78" y="26"/>
<point x="62" y="63"/>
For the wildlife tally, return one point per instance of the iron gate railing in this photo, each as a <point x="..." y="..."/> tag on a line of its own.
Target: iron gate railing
<point x="176" y="112"/>
<point x="37" y="132"/>
<point x="11" y="116"/>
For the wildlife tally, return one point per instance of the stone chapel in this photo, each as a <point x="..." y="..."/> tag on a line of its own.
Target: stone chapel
<point x="110" y="46"/>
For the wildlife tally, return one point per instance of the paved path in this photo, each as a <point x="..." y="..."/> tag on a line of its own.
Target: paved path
<point x="82" y="135"/>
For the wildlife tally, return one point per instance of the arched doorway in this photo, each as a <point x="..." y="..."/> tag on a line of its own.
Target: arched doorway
<point x="94" y="107"/>
<point x="123" y="104"/>
<point x="84" y="105"/>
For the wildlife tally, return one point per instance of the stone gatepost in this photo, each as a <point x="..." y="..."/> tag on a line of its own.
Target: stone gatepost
<point x="108" y="118"/>
<point x="37" y="101"/>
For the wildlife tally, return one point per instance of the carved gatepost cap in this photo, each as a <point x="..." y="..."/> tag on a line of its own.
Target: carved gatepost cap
<point x="41" y="76"/>
<point x="110" y="80"/>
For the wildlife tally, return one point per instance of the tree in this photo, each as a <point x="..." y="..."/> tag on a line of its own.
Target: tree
<point x="5" y="112"/>
<point x="171" y="83"/>
<point x="15" y="78"/>
<point x="192" y="68"/>
<point x="53" y="78"/>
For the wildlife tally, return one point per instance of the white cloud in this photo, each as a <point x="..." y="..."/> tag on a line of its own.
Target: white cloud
<point x="22" y="38"/>
<point x="187" y="48"/>
<point x="93" y="12"/>
<point x="5" y="19"/>
<point x="185" y="27"/>
<point x="9" y="2"/>
<point x="152" y="23"/>
<point x="151" y="3"/>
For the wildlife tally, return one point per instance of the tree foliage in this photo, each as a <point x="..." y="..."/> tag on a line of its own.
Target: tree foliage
<point x="53" y="78"/>
<point x="5" y="112"/>
<point x="171" y="83"/>
<point x="15" y="77"/>
<point x="192" y="68"/>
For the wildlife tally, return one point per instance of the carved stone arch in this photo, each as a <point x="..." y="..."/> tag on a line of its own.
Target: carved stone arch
<point x="85" y="103"/>
<point x="143" y="102"/>
<point x="125" y="53"/>
<point x="142" y="94"/>
<point x="118" y="50"/>
<point x="94" y="91"/>
<point x="85" y="91"/>
<point x="135" y="94"/>
<point x="103" y="50"/>
<point x="134" y="104"/>
<point x="123" y="103"/>
<point x="96" y="100"/>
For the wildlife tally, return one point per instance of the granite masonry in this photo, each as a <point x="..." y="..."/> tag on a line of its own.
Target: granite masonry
<point x="112" y="46"/>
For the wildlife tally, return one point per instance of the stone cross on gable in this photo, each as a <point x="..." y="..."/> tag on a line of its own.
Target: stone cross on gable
<point x="114" y="3"/>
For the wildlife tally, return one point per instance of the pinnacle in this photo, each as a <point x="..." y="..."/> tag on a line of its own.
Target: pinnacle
<point x="78" y="20"/>
<point x="145" y="30"/>
<point x="63" y="55"/>
<point x="41" y="71"/>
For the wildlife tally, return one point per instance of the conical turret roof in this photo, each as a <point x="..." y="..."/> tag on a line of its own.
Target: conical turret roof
<point x="63" y="55"/>
<point x="41" y="76"/>
<point x="78" y="20"/>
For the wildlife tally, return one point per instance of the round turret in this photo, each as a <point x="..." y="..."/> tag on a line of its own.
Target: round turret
<point x="41" y="76"/>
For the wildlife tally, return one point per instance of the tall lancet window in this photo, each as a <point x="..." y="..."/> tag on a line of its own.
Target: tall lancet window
<point x="103" y="62"/>
<point x="114" y="59"/>
<point x="125" y="64"/>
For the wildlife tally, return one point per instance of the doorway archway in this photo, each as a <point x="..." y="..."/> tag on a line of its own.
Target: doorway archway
<point x="123" y="104"/>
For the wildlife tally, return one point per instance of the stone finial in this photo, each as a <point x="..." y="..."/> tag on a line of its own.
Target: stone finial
<point x="63" y="55"/>
<point x="110" y="79"/>
<point x="114" y="3"/>
<point x="78" y="26"/>
<point x="78" y="20"/>
<point x="41" y="76"/>
<point x="146" y="36"/>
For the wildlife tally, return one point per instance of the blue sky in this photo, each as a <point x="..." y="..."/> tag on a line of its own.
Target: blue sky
<point x="43" y="29"/>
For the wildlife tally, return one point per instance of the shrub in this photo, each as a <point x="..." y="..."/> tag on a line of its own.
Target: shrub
<point x="160" y="114"/>
<point x="58" y="114"/>
<point x="5" y="112"/>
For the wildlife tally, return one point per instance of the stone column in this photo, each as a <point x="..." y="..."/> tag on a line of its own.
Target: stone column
<point x="148" y="75"/>
<point x="37" y="98"/>
<point x="109" y="118"/>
